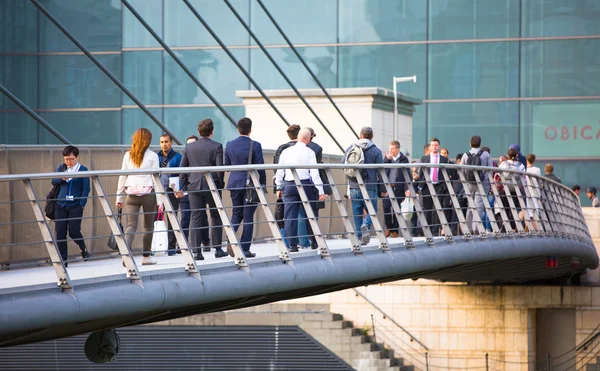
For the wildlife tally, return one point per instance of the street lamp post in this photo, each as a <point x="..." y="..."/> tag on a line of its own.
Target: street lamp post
<point x="396" y="81"/>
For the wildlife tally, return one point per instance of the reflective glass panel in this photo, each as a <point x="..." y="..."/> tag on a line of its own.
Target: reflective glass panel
<point x="473" y="70"/>
<point x="19" y="74"/>
<point x="555" y="68"/>
<point x="304" y="22"/>
<point x="143" y="76"/>
<point x="470" y="19"/>
<point x="83" y="127"/>
<point x="17" y="127"/>
<point x="135" y="34"/>
<point x="561" y="129"/>
<point x="455" y="123"/>
<point x="375" y="66"/>
<point x="18" y="26"/>
<point x="381" y="20"/>
<point x="321" y="60"/>
<point x="582" y="172"/>
<point x="184" y="122"/>
<point x="182" y="28"/>
<point x="135" y="118"/>
<point x="96" y="24"/>
<point x="419" y="126"/>
<point x="73" y="81"/>
<point x="213" y="68"/>
<point x="549" y="18"/>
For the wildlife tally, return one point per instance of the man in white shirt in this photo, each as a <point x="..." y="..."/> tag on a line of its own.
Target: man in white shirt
<point x="298" y="154"/>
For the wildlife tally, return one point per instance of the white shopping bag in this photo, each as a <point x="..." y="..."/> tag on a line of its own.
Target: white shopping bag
<point x="160" y="238"/>
<point x="407" y="208"/>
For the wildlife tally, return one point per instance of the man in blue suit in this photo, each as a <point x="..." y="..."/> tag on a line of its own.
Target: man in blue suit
<point x="237" y="152"/>
<point x="71" y="200"/>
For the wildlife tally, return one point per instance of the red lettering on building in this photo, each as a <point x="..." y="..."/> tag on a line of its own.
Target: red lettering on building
<point x="548" y="130"/>
<point x="564" y="133"/>
<point x="551" y="133"/>
<point x="583" y="130"/>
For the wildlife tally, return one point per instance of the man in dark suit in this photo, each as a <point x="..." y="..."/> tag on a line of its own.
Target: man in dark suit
<point x="237" y="152"/>
<point x="398" y="183"/>
<point x="204" y="152"/>
<point x="438" y="181"/>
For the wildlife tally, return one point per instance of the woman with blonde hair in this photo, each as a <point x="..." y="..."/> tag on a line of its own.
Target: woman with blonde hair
<point x="137" y="191"/>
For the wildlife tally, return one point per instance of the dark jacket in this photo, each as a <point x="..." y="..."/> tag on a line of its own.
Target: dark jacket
<point x="175" y="161"/>
<point x="203" y="152"/>
<point x="79" y="188"/>
<point x="236" y="153"/>
<point x="372" y="155"/>
<point x="426" y="160"/>
<point x="281" y="148"/>
<point x="318" y="150"/>
<point x="400" y="180"/>
<point x="553" y="177"/>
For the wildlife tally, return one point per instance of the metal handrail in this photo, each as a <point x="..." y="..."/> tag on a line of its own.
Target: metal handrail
<point x="385" y="315"/>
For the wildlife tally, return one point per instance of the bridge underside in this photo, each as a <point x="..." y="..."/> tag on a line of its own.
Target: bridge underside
<point x="43" y="312"/>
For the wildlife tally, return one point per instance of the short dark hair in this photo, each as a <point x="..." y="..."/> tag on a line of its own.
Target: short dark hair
<point x="459" y="156"/>
<point x="531" y="158"/>
<point x="395" y="143"/>
<point x="191" y="137"/>
<point x="244" y="126"/>
<point x="475" y="141"/>
<point x="434" y="140"/>
<point x="292" y="131"/>
<point x="166" y="135"/>
<point x="71" y="150"/>
<point x="576" y="187"/>
<point x="206" y="128"/>
<point x="366" y="132"/>
<point x="486" y="149"/>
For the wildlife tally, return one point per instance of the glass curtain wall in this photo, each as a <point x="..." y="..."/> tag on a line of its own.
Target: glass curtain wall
<point x="512" y="71"/>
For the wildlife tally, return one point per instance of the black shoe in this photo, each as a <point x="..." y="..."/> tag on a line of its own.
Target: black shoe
<point x="66" y="264"/>
<point x="206" y="249"/>
<point x="314" y="246"/>
<point x="220" y="253"/>
<point x="294" y="249"/>
<point x="249" y="254"/>
<point x="199" y="256"/>
<point x="85" y="255"/>
<point x="178" y="251"/>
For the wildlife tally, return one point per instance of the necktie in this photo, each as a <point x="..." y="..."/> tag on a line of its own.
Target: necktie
<point x="434" y="171"/>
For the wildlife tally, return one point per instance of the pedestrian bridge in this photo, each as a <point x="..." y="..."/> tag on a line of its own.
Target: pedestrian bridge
<point x="537" y="233"/>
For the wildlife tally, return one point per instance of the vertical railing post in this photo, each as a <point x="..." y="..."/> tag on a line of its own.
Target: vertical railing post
<point x="404" y="229"/>
<point x="312" y="219"/>
<point x="383" y="243"/>
<point x="374" y="334"/>
<point x="133" y="272"/>
<point x="487" y="362"/>
<point x="346" y="219"/>
<point x="284" y="253"/>
<point x="240" y="258"/>
<point x="457" y="209"/>
<point x="64" y="282"/>
<point x="427" y="361"/>
<point x="186" y="252"/>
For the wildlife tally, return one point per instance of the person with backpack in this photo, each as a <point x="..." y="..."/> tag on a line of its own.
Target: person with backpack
<point x="168" y="157"/>
<point x="363" y="151"/>
<point x="70" y="202"/>
<point x="476" y="157"/>
<point x="512" y="163"/>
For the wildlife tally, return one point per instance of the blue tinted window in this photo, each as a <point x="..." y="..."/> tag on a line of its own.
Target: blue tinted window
<point x="73" y="81"/>
<point x="135" y="118"/>
<point x="561" y="129"/>
<point x="455" y="123"/>
<point x="143" y="76"/>
<point x="560" y="18"/>
<point x="184" y="121"/>
<point x="362" y="66"/>
<point x="18" y="26"/>
<point x="182" y="28"/>
<point x="419" y="138"/>
<point x="381" y="20"/>
<point x="584" y="173"/>
<point x="19" y="74"/>
<point x="321" y="60"/>
<point x="96" y="24"/>
<point x="16" y="127"/>
<point x="135" y="34"/>
<point x="470" y="19"/>
<point x="83" y="127"/>
<point x="304" y="22"/>
<point x="560" y="68"/>
<point x="473" y="70"/>
<point x="213" y="68"/>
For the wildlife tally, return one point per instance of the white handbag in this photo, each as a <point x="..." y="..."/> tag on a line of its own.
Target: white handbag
<point x="407" y="208"/>
<point x="160" y="236"/>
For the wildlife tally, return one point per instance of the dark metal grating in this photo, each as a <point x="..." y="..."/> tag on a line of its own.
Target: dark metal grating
<point x="185" y="348"/>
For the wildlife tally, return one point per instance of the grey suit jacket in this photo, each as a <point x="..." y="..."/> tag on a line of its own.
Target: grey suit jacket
<point x="204" y="152"/>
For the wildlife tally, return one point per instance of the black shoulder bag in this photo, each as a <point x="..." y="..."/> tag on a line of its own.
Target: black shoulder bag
<point x="112" y="242"/>
<point x="51" y="198"/>
<point x="251" y="195"/>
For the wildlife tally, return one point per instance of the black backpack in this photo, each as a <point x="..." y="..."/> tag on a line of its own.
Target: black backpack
<point x="51" y="198"/>
<point x="474" y="160"/>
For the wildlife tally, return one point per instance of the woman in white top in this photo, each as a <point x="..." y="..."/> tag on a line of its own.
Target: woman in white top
<point x="513" y="164"/>
<point x="137" y="191"/>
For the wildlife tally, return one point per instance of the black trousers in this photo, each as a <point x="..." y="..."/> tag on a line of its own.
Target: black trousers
<point x="198" y="202"/>
<point x="68" y="220"/>
<point x="429" y="208"/>
<point x="172" y="239"/>
<point x="391" y="222"/>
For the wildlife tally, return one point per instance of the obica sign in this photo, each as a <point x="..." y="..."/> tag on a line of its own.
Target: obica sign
<point x="569" y="130"/>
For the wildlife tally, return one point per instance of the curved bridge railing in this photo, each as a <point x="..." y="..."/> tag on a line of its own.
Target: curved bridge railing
<point x="444" y="230"/>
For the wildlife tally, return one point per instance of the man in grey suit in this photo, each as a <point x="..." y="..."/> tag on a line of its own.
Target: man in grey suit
<point x="204" y="152"/>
